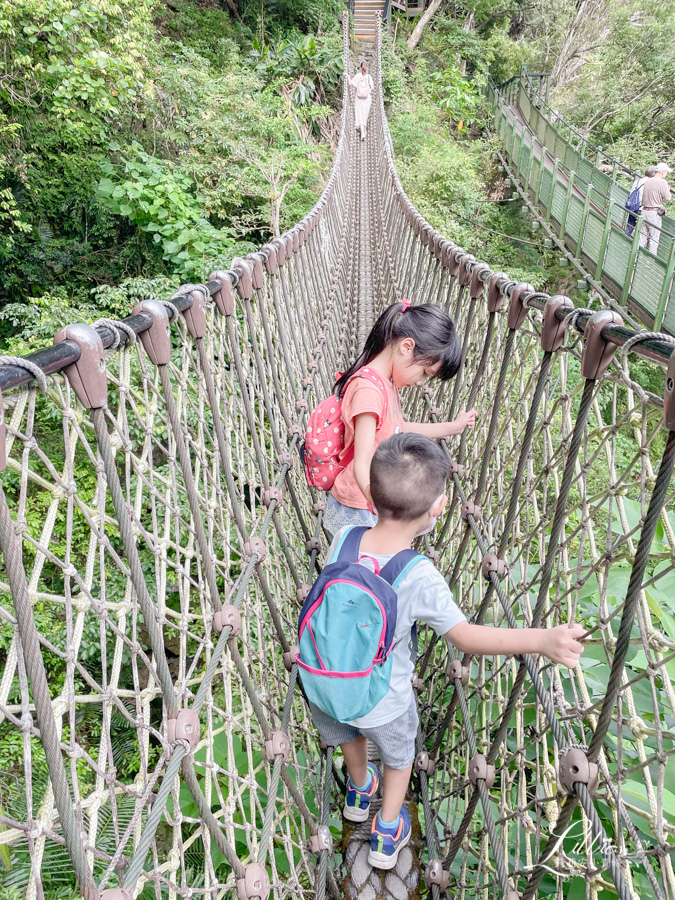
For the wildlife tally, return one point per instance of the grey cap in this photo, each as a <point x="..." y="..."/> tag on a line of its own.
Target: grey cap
<point x="662" y="167"/>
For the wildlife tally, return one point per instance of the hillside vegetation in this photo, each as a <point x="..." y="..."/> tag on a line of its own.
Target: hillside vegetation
<point x="143" y="142"/>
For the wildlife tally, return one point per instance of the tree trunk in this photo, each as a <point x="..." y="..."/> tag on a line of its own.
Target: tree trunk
<point x="414" y="38"/>
<point x="232" y="6"/>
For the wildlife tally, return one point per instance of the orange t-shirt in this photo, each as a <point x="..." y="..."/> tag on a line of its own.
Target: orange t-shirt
<point x="362" y="396"/>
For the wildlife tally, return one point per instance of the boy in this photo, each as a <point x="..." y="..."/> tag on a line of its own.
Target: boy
<point x="407" y="479"/>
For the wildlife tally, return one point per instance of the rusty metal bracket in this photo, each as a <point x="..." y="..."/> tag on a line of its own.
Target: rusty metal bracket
<point x="3" y="447"/>
<point x="433" y="554"/>
<point x="273" y="493"/>
<point x="87" y="376"/>
<point x="574" y="767"/>
<point x="302" y="592"/>
<point x="446" y="248"/>
<point x="418" y="683"/>
<point x="224" y="296"/>
<point x="553" y="331"/>
<point x="477" y="285"/>
<point x="492" y="564"/>
<point x="668" y="396"/>
<point x="425" y="763"/>
<point x="479" y="770"/>
<point x="517" y="309"/>
<point x="470" y="509"/>
<point x="156" y="340"/>
<point x="291" y="657"/>
<point x="257" y="276"/>
<point x="464" y="275"/>
<point x="245" y="283"/>
<point x="318" y="507"/>
<point x="227" y="615"/>
<point x="271" y="261"/>
<point x="495" y="298"/>
<point x="280" y="246"/>
<point x="195" y="315"/>
<point x="277" y="745"/>
<point x="255" y="885"/>
<point x="436" y="874"/>
<point x="457" y="469"/>
<point x="255" y="545"/>
<point x="312" y="544"/>
<point x="457" y="670"/>
<point x="185" y="727"/>
<point x="322" y="841"/>
<point x="598" y="352"/>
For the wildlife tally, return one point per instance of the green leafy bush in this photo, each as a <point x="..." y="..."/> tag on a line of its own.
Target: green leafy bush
<point x="162" y="202"/>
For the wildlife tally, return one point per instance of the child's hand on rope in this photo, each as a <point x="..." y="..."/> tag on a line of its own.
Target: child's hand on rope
<point x="465" y="419"/>
<point x="562" y="644"/>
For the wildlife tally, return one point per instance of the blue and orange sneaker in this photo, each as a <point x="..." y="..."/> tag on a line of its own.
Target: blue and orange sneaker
<point x="386" y="841"/>
<point x="357" y="801"/>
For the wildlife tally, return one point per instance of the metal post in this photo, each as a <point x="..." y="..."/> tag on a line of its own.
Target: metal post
<point x="630" y="268"/>
<point x="542" y="166"/>
<point x="584" y="220"/>
<point x="554" y="181"/>
<point x="667" y="287"/>
<point x="603" y="245"/>
<point x="566" y="205"/>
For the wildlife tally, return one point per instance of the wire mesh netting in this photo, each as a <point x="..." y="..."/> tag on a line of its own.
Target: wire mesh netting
<point x="158" y="538"/>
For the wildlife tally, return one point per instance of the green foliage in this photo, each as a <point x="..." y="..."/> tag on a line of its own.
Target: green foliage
<point x="162" y="203"/>
<point x="139" y="140"/>
<point x="457" y="97"/>
<point x="311" y="68"/>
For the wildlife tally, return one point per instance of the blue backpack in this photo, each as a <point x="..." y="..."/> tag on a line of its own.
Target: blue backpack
<point x="633" y="206"/>
<point x="346" y="630"/>
<point x="633" y="201"/>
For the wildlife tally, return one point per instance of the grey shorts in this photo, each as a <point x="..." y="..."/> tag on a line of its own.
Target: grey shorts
<point x="337" y="516"/>
<point x="395" y="740"/>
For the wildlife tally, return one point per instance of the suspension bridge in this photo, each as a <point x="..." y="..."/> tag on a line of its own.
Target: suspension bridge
<point x="158" y="539"/>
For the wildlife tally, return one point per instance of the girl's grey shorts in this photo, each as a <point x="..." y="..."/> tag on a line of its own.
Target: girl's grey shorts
<point x="395" y="740"/>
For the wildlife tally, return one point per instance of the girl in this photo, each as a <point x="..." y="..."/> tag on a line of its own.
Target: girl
<point x="364" y="88"/>
<point x="406" y="346"/>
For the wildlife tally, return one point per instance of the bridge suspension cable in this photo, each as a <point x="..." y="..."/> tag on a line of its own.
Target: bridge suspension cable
<point x="158" y="539"/>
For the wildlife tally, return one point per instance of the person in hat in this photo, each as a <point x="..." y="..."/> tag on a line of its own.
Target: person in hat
<point x="655" y="195"/>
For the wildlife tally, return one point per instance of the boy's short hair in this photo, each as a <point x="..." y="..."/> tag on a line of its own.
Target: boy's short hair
<point x="407" y="473"/>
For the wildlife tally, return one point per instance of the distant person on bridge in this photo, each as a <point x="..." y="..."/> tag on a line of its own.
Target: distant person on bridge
<point x="407" y="345"/>
<point x="634" y="201"/>
<point x="338" y="633"/>
<point x="363" y="83"/>
<point x="655" y="195"/>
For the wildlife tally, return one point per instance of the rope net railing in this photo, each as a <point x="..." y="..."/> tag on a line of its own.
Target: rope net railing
<point x="158" y="539"/>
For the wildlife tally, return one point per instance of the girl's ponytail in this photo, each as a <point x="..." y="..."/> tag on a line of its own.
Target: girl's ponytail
<point x="432" y="329"/>
<point x="381" y="335"/>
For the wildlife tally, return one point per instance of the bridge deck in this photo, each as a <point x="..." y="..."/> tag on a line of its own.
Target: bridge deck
<point x="158" y="538"/>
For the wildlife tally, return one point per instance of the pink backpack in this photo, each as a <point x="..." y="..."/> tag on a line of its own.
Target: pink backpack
<point x="325" y="437"/>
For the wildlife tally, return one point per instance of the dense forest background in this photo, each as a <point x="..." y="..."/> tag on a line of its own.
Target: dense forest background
<point x="142" y="142"/>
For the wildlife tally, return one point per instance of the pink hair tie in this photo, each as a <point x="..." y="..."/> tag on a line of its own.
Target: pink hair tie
<point x="406" y="304"/>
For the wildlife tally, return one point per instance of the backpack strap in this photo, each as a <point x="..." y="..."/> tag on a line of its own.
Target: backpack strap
<point x="399" y="566"/>
<point x="348" y="548"/>
<point x="369" y="374"/>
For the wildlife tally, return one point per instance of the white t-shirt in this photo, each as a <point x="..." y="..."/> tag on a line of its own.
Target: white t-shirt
<point x="423" y="596"/>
